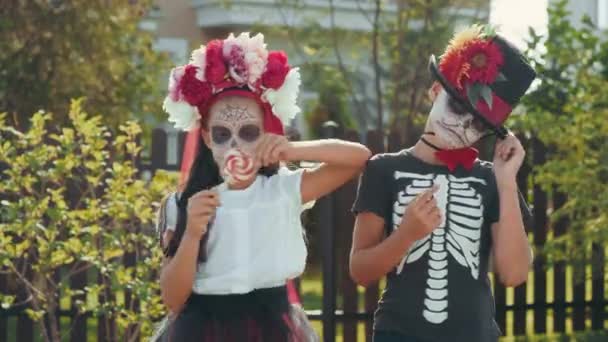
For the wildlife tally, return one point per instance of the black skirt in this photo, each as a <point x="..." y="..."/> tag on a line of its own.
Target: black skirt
<point x="259" y="316"/>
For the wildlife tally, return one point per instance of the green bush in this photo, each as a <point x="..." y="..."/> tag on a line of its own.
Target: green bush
<point x="73" y="203"/>
<point x="568" y="113"/>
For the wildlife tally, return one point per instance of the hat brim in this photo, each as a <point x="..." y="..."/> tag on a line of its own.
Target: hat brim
<point x="500" y="131"/>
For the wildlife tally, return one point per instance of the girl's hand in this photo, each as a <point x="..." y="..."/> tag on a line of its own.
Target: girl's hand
<point x="201" y="208"/>
<point x="272" y="149"/>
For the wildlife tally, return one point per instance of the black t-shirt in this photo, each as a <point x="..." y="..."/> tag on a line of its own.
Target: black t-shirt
<point x="440" y="291"/>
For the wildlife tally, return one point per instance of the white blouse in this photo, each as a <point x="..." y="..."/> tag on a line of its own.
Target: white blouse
<point x="256" y="239"/>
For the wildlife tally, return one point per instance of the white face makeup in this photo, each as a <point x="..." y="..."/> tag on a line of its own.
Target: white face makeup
<point x="234" y="124"/>
<point x="451" y="125"/>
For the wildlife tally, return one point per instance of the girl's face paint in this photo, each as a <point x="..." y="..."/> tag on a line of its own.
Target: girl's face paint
<point x="235" y="123"/>
<point x="452" y="125"/>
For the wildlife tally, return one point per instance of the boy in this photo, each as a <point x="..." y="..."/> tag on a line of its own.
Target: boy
<point x="443" y="211"/>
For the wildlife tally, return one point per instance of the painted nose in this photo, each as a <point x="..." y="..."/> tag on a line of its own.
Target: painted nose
<point x="233" y="143"/>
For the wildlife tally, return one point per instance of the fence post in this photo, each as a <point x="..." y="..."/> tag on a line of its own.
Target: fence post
<point x="520" y="310"/>
<point x="25" y="326"/>
<point x="3" y="316"/>
<point x="375" y="142"/>
<point x="540" y="237"/>
<point x="158" y="158"/>
<point x="597" y="287"/>
<point x="559" y="270"/>
<point x="344" y="223"/>
<point x="326" y="220"/>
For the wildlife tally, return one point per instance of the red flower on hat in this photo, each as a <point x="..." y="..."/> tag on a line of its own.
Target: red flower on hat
<point x="277" y="69"/>
<point x="194" y="90"/>
<point x="484" y="60"/>
<point x="215" y="68"/>
<point x="454" y="69"/>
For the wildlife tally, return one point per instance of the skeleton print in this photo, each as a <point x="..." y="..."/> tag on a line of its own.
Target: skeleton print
<point x="457" y="236"/>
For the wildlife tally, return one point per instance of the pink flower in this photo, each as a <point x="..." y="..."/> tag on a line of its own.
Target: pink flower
<point x="276" y="70"/>
<point x="192" y="89"/>
<point x="215" y="69"/>
<point x="237" y="65"/>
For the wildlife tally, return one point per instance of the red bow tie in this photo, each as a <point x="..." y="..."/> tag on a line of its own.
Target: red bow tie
<point x="463" y="156"/>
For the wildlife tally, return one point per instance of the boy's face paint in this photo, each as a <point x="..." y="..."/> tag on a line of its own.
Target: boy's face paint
<point x="234" y="125"/>
<point x="452" y="125"/>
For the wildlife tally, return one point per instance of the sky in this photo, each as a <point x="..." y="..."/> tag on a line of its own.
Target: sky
<point x="513" y="17"/>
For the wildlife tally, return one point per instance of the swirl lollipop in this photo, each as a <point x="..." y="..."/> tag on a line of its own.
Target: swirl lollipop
<point x="238" y="166"/>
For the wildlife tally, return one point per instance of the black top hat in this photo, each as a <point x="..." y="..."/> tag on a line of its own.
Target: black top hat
<point x="486" y="74"/>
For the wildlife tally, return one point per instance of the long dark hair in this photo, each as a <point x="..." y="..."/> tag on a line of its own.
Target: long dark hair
<point x="204" y="175"/>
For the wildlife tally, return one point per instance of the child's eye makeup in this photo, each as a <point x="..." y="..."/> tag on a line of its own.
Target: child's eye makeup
<point x="249" y="133"/>
<point x="220" y="134"/>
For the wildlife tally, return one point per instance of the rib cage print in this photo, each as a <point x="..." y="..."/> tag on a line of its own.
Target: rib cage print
<point x="458" y="235"/>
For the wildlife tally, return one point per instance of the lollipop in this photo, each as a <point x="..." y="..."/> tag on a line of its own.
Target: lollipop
<point x="238" y="166"/>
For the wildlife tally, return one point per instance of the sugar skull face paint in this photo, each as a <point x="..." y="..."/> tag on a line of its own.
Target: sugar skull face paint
<point x="234" y="124"/>
<point x="450" y="122"/>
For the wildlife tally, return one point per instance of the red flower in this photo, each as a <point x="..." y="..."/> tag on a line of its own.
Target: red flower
<point x="215" y="68"/>
<point x="485" y="60"/>
<point x="277" y="69"/>
<point x="194" y="90"/>
<point x="454" y="68"/>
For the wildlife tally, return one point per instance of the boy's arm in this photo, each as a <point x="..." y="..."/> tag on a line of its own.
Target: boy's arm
<point x="512" y="254"/>
<point x="371" y="258"/>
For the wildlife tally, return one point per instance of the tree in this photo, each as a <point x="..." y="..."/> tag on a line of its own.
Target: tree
<point x="383" y="70"/>
<point x="52" y="51"/>
<point x="73" y="204"/>
<point x="568" y="113"/>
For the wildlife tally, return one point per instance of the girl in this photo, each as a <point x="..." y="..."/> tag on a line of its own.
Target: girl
<point x="238" y="236"/>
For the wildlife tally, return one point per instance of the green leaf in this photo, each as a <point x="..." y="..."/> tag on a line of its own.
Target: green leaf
<point x="501" y="77"/>
<point x="489" y="31"/>
<point x="474" y="93"/>
<point x="486" y="93"/>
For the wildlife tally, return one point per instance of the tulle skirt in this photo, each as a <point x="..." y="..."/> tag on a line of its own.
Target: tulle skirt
<point x="263" y="315"/>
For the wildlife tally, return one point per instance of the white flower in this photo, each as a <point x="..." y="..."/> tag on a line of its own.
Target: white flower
<point x="229" y="43"/>
<point x="174" y="78"/>
<point x="283" y="100"/>
<point x="181" y="114"/>
<point x="256" y="57"/>
<point x="197" y="58"/>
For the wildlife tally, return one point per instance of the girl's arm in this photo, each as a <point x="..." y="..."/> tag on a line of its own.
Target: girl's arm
<point x="177" y="274"/>
<point x="341" y="161"/>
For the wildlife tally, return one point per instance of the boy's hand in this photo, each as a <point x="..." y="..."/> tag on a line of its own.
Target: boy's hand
<point x="422" y="215"/>
<point x="508" y="157"/>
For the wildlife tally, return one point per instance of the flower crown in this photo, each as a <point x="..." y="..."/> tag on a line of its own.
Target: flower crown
<point x="472" y="62"/>
<point x="235" y="62"/>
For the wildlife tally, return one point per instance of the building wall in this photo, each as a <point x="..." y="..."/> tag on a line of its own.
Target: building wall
<point x="181" y="25"/>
